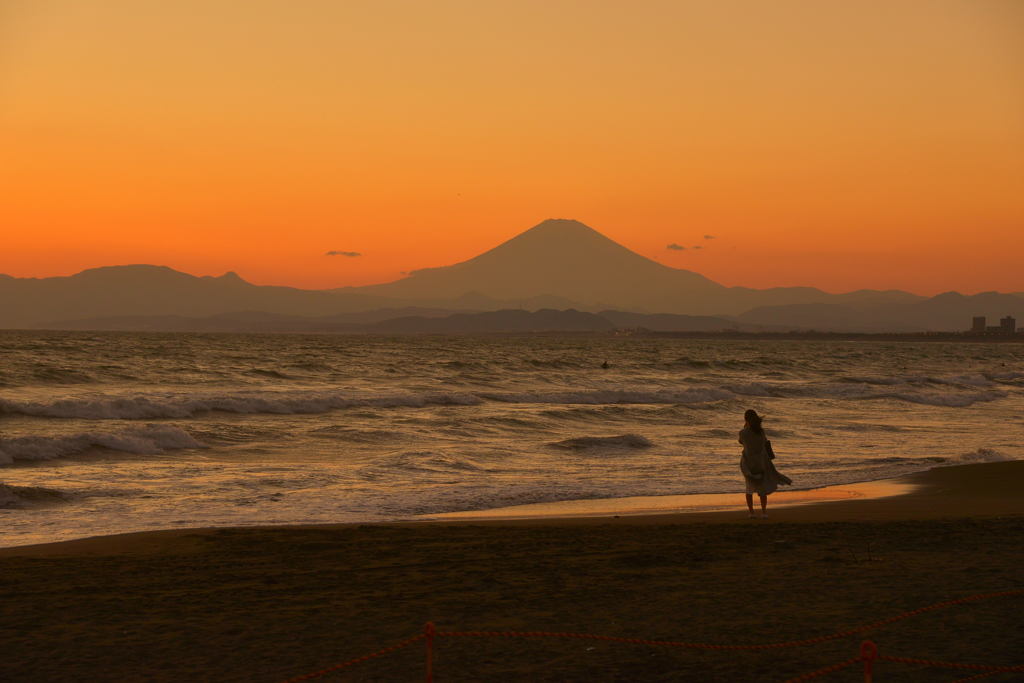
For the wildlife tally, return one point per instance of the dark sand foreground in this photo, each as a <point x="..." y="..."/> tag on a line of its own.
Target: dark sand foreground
<point x="266" y="604"/>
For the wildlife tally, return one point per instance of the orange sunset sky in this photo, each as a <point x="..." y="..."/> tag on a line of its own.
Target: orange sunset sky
<point x="835" y="143"/>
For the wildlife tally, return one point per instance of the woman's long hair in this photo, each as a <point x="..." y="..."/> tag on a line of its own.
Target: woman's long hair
<point x="754" y="420"/>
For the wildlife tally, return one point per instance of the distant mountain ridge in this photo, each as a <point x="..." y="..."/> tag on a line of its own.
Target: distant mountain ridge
<point x="568" y="259"/>
<point x="158" y="290"/>
<point x="559" y="265"/>
<point x="557" y="257"/>
<point x="414" y="321"/>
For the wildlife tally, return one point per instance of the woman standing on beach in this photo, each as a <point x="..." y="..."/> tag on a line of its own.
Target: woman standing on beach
<point x="756" y="463"/>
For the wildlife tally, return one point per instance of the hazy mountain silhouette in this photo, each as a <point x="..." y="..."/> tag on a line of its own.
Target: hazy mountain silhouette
<point x="544" y="320"/>
<point x="568" y="259"/>
<point x="158" y="290"/>
<point x="410" y="321"/>
<point x="946" y="312"/>
<point x="248" y="321"/>
<point x="673" y="322"/>
<point x="557" y="265"/>
<point x="558" y="257"/>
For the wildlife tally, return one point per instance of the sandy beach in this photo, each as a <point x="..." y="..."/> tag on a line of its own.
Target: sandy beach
<point x="271" y="603"/>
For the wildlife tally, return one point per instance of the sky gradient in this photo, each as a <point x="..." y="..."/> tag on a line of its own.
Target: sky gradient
<point x="836" y="144"/>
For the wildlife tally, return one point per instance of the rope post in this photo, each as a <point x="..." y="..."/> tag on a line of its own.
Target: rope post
<point x="429" y="632"/>
<point x="869" y="653"/>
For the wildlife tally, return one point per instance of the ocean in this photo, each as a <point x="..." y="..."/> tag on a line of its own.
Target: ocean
<point x="105" y="433"/>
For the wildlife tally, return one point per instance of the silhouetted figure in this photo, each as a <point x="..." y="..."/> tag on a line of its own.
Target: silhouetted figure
<point x="756" y="464"/>
<point x="605" y="365"/>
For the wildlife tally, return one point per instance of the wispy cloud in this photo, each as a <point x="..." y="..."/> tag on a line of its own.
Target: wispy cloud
<point x="350" y="254"/>
<point x="675" y="247"/>
<point x="709" y="237"/>
<point x="696" y="246"/>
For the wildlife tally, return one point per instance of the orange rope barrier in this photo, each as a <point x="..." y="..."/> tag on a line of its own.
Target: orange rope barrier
<point x="823" y="671"/>
<point x="713" y="646"/>
<point x="989" y="668"/>
<point x="869" y="653"/>
<point x="344" y="665"/>
<point x="429" y="633"/>
<point x="868" y="650"/>
<point x="977" y="677"/>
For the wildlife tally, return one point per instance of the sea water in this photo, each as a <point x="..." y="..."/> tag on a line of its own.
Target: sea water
<point x="111" y="432"/>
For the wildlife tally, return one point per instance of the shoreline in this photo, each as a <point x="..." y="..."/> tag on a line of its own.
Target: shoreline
<point x="956" y="491"/>
<point x="276" y="602"/>
<point x="680" y="504"/>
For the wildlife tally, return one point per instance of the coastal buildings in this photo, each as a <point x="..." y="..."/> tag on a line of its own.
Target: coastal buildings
<point x="1007" y="327"/>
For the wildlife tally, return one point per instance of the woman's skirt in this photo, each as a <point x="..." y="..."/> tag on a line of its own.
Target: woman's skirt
<point x="768" y="483"/>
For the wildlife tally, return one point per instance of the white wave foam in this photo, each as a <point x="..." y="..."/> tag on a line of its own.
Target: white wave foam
<point x="279" y="403"/>
<point x="622" y="441"/>
<point x="179" y="406"/>
<point x="146" y="440"/>
<point x="896" y="389"/>
<point x="911" y="394"/>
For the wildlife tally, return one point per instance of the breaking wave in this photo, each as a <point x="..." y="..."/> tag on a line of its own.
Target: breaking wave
<point x="354" y="434"/>
<point x="272" y="374"/>
<point x="178" y="406"/>
<point x="702" y="395"/>
<point x="623" y="441"/>
<point x="866" y="427"/>
<point x="280" y="403"/>
<point x="977" y="379"/>
<point x="941" y="399"/>
<point x="422" y="461"/>
<point x="59" y="375"/>
<point x="980" y="455"/>
<point x="146" y="440"/>
<point x="15" y="497"/>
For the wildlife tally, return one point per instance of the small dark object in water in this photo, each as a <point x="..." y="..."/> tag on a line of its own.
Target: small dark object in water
<point x="605" y="365"/>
